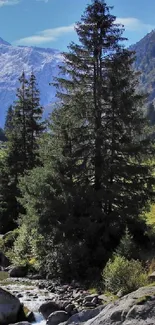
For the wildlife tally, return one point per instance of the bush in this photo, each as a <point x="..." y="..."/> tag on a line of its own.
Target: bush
<point x="124" y="275"/>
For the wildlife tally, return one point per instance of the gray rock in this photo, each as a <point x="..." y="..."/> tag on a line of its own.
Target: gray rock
<point x="69" y="308"/>
<point x="18" y="272"/>
<point x="57" y="317"/>
<point x="9" y="307"/>
<point x="31" y="317"/>
<point x="120" y="293"/>
<point x="84" y="316"/>
<point x="89" y="304"/>
<point x="152" y="276"/>
<point x="21" y="323"/>
<point x="91" y="297"/>
<point x="103" y="298"/>
<point x="76" y="294"/>
<point x="136" y="308"/>
<point x="48" y="308"/>
<point x="35" y="277"/>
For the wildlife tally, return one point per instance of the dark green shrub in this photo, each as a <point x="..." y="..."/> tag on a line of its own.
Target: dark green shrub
<point x="121" y="274"/>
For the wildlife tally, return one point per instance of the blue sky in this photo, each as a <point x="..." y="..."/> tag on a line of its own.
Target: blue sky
<point x="50" y="23"/>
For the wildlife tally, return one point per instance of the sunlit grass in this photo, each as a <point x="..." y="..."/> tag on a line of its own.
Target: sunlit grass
<point x="3" y="275"/>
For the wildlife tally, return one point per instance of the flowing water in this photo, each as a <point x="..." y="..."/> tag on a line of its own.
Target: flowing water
<point x="39" y="319"/>
<point x="28" y="293"/>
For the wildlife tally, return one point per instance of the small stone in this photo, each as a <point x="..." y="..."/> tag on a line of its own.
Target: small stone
<point x="120" y="294"/>
<point x="19" y="295"/>
<point x="91" y="297"/>
<point x="69" y="308"/>
<point x="89" y="304"/>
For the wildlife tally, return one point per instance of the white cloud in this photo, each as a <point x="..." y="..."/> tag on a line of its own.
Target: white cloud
<point x="134" y="25"/>
<point x="45" y="36"/>
<point x="49" y="35"/>
<point x="8" y="2"/>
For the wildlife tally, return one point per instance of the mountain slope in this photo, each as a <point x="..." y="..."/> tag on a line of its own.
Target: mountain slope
<point x="145" y="62"/>
<point x="45" y="62"/>
<point x="13" y="60"/>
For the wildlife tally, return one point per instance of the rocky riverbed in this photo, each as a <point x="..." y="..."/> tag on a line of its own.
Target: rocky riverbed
<point x="44" y="297"/>
<point x="54" y="304"/>
<point x="32" y="293"/>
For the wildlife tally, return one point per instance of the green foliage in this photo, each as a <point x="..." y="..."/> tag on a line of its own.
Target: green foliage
<point x="126" y="246"/>
<point x="87" y="179"/>
<point x="94" y="179"/>
<point x="150" y="216"/>
<point x="9" y="239"/>
<point x="3" y="275"/>
<point x="2" y="135"/>
<point x="142" y="300"/>
<point x="24" y="249"/>
<point x="23" y="128"/>
<point x="122" y="274"/>
<point x="8" y="202"/>
<point x="9" y="120"/>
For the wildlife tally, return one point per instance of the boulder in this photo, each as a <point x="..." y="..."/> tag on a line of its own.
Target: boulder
<point x="152" y="276"/>
<point x="18" y="272"/>
<point x="49" y="307"/>
<point x="57" y="317"/>
<point x="4" y="261"/>
<point x="136" y="308"/>
<point x="31" y="317"/>
<point x="9" y="307"/>
<point x="84" y="315"/>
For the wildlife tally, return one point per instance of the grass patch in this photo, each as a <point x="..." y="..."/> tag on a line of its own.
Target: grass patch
<point x="3" y="275"/>
<point x="111" y="297"/>
<point x="142" y="300"/>
<point x="152" y="284"/>
<point x="93" y="291"/>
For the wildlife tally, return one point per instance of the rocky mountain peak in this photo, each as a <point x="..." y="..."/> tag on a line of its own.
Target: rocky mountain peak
<point x="3" y="42"/>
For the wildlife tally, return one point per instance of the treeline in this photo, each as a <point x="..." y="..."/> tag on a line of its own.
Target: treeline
<point x="22" y="129"/>
<point x="75" y="187"/>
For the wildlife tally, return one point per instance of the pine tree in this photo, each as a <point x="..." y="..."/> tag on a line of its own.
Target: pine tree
<point x="27" y="126"/>
<point x="96" y="180"/>
<point x="34" y="126"/>
<point x="8" y="202"/>
<point x="23" y="127"/>
<point x="8" y="120"/>
<point x="100" y="99"/>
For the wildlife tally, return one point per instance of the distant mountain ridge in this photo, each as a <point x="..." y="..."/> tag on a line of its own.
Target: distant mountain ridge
<point x="14" y="59"/>
<point x="145" y="62"/>
<point x="45" y="64"/>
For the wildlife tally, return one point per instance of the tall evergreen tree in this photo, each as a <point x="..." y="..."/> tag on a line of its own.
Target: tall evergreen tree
<point x="8" y="120"/>
<point x="34" y="126"/>
<point x="101" y="100"/>
<point x="23" y="128"/>
<point x="96" y="179"/>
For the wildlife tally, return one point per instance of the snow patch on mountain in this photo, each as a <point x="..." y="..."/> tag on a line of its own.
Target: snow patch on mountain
<point x="14" y="59"/>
